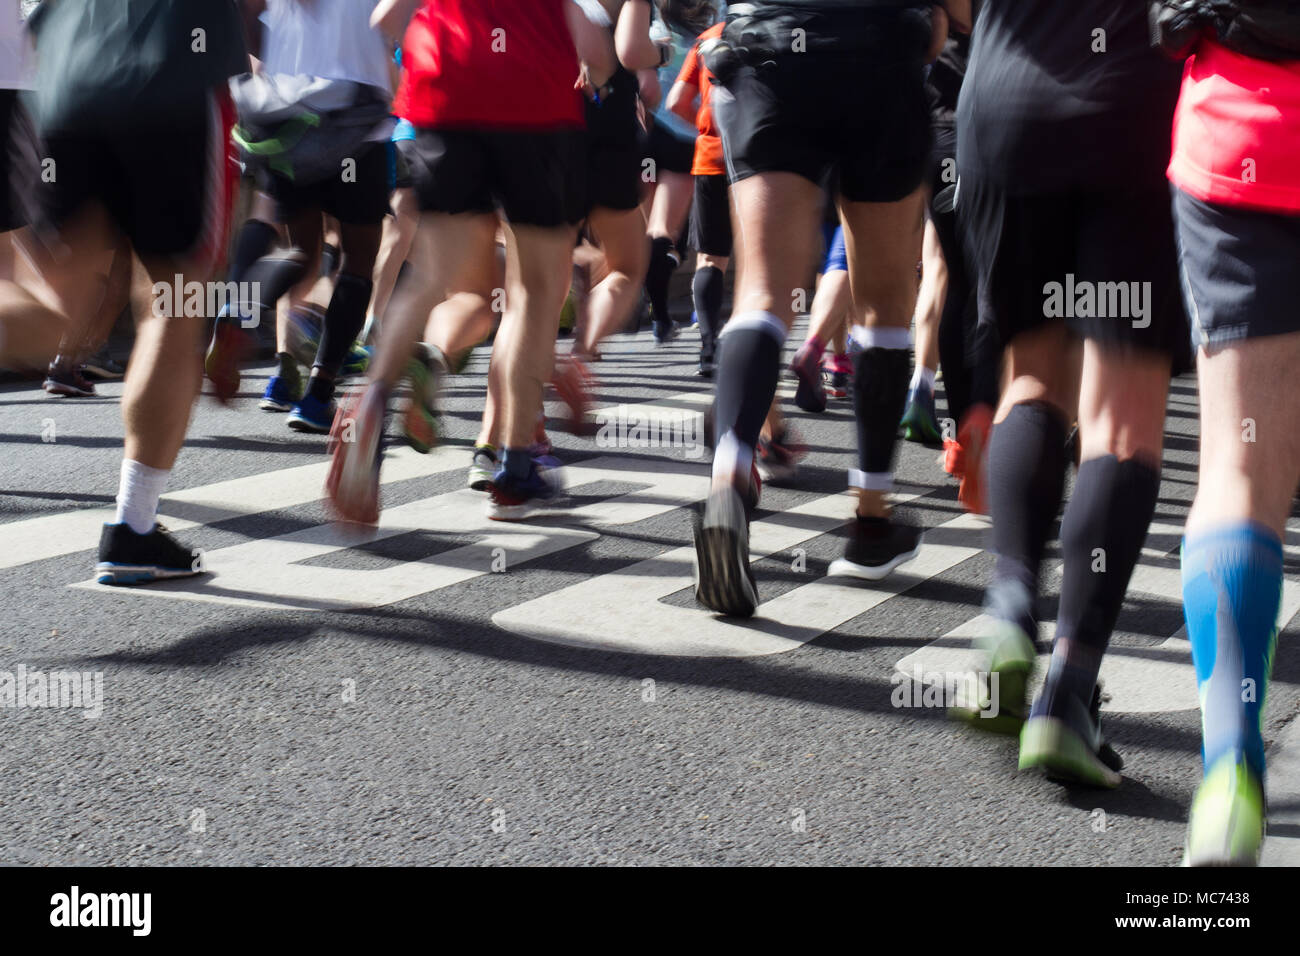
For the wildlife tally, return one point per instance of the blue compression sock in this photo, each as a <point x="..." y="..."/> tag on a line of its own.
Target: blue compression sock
<point x="1232" y="588"/>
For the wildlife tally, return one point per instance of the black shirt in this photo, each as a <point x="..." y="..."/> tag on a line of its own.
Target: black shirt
<point x="943" y="85"/>
<point x="1043" y="108"/>
<point x="109" y="64"/>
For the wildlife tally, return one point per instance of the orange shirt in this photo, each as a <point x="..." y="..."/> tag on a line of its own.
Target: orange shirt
<point x="708" y="145"/>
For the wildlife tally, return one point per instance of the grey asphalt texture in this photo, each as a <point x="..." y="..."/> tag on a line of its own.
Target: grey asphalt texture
<point x="226" y="739"/>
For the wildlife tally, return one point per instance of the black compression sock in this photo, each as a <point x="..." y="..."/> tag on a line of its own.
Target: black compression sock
<point x="663" y="261"/>
<point x="320" y="386"/>
<point x="343" y="320"/>
<point x="1102" y="532"/>
<point x="276" y="274"/>
<point x="880" y="378"/>
<point x="288" y="364"/>
<point x="749" y="365"/>
<point x="254" y="241"/>
<point x="706" y="290"/>
<point x="329" y="260"/>
<point x="1026" y="475"/>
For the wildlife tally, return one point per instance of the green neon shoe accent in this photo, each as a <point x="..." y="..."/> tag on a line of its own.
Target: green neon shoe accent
<point x="1011" y="659"/>
<point x="1226" y="825"/>
<point x="1051" y="745"/>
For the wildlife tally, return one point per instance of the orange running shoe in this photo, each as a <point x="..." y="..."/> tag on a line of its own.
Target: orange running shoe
<point x="974" y="439"/>
<point x="356" y="447"/>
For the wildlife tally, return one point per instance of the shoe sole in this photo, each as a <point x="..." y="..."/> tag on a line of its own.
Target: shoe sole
<point x="67" y="391"/>
<point x="300" y="424"/>
<point x="1050" y="745"/>
<point x="722" y="577"/>
<point x="479" y="481"/>
<point x="843" y="567"/>
<point x="518" y="512"/>
<point x="129" y="574"/>
<point x="270" y="405"/>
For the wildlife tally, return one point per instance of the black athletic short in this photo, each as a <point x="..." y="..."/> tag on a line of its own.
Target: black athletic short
<point x="857" y="109"/>
<point x="614" y="149"/>
<point x="19" y="163"/>
<point x="400" y="163"/>
<point x="358" y="196"/>
<point x="943" y="161"/>
<point x="1103" y="261"/>
<point x="670" y="152"/>
<point x="1238" y="270"/>
<point x="169" y="189"/>
<point x="711" y="216"/>
<point x="534" y="178"/>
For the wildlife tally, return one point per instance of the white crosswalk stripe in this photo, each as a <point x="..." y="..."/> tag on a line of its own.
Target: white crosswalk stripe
<point x="623" y="610"/>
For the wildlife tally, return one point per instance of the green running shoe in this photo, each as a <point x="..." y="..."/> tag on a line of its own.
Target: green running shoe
<point x="1226" y="825"/>
<point x="1071" y="749"/>
<point x="1000" y="705"/>
<point x="919" y="423"/>
<point x="425" y="371"/>
<point x="357" y="362"/>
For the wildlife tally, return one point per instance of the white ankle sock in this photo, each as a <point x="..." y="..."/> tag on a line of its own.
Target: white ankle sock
<point x="923" y="376"/>
<point x="138" y="493"/>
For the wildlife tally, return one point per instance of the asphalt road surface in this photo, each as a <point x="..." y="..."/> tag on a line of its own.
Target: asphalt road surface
<point x="445" y="690"/>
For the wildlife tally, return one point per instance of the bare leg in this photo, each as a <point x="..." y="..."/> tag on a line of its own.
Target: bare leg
<point x="537" y="275"/>
<point x="622" y="235"/>
<point x="883" y="242"/>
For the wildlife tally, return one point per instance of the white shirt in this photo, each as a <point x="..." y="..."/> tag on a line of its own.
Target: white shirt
<point x="330" y="39"/>
<point x="15" y="61"/>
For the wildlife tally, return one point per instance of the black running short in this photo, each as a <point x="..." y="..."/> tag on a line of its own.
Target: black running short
<point x="1238" y="270"/>
<point x="613" y="145"/>
<point x="711" y="216"/>
<point x="19" y="163"/>
<point x="534" y="178"/>
<point x="357" y="195"/>
<point x="670" y="152"/>
<point x="853" y="104"/>
<point x="169" y="189"/>
<point x="1103" y="261"/>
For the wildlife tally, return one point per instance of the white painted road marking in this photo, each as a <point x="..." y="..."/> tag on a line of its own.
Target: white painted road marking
<point x="1138" y="680"/>
<point x="269" y="573"/>
<point x="621" y="611"/>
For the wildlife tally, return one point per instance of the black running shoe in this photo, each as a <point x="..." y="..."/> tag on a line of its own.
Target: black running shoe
<point x="68" y="382"/>
<point x="876" y="546"/>
<point x="129" y="558"/>
<point x="1070" y="748"/>
<point x="723" y="579"/>
<point x="101" y="365"/>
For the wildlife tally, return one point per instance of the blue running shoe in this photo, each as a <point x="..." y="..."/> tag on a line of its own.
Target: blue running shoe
<point x="282" y="392"/>
<point x="510" y="499"/>
<point x="312" y="415"/>
<point x="357" y="362"/>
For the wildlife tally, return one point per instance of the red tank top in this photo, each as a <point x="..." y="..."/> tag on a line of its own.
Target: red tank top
<point x="489" y="64"/>
<point x="1237" y="131"/>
